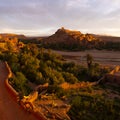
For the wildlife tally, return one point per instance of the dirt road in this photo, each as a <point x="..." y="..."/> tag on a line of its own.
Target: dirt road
<point x="9" y="109"/>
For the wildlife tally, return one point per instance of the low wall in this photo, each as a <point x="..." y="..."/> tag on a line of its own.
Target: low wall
<point x="11" y="90"/>
<point x="15" y="94"/>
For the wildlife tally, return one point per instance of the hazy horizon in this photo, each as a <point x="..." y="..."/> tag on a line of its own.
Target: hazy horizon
<point x="45" y="35"/>
<point x="44" y="17"/>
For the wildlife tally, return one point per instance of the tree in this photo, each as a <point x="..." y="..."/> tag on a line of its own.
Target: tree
<point x="87" y="107"/>
<point x="69" y="77"/>
<point x="53" y="76"/>
<point x="9" y="46"/>
<point x="28" y="63"/>
<point x="39" y="78"/>
<point x="19" y="82"/>
<point x="89" y="60"/>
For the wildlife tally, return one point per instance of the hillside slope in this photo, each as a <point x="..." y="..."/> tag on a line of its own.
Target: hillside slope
<point x="68" y="39"/>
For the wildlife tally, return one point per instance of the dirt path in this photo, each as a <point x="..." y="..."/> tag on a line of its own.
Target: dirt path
<point x="9" y="109"/>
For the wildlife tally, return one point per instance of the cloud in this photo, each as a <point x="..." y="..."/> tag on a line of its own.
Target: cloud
<point x="45" y="16"/>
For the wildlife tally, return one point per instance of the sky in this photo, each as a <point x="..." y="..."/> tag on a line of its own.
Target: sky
<point x="44" y="17"/>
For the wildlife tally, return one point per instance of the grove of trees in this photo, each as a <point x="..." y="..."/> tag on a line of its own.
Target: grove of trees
<point x="41" y="66"/>
<point x="94" y="108"/>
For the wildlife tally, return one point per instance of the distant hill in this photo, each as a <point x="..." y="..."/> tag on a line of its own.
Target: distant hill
<point x="69" y="39"/>
<point x="64" y="39"/>
<point x="66" y="36"/>
<point x="4" y="36"/>
<point x="107" y="38"/>
<point x="10" y="41"/>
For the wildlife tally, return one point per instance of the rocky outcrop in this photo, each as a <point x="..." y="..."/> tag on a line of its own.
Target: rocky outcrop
<point x="69" y="37"/>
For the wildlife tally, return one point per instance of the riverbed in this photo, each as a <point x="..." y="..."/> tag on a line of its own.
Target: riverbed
<point x="104" y="57"/>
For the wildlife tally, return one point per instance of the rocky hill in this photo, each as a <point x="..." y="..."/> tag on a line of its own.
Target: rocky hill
<point x="68" y="39"/>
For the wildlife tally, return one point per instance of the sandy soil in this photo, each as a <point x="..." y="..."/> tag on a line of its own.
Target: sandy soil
<point x="9" y="109"/>
<point x="100" y="56"/>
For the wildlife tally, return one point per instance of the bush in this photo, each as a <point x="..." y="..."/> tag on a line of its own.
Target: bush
<point x="93" y="108"/>
<point x="69" y="77"/>
<point x="57" y="90"/>
<point x="19" y="82"/>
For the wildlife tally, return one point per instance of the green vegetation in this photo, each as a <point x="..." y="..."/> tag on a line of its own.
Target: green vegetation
<point x="19" y="82"/>
<point x="40" y="66"/>
<point x="111" y="46"/>
<point x="81" y="46"/>
<point x="84" y="45"/>
<point x="87" y="107"/>
<point x="32" y="63"/>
